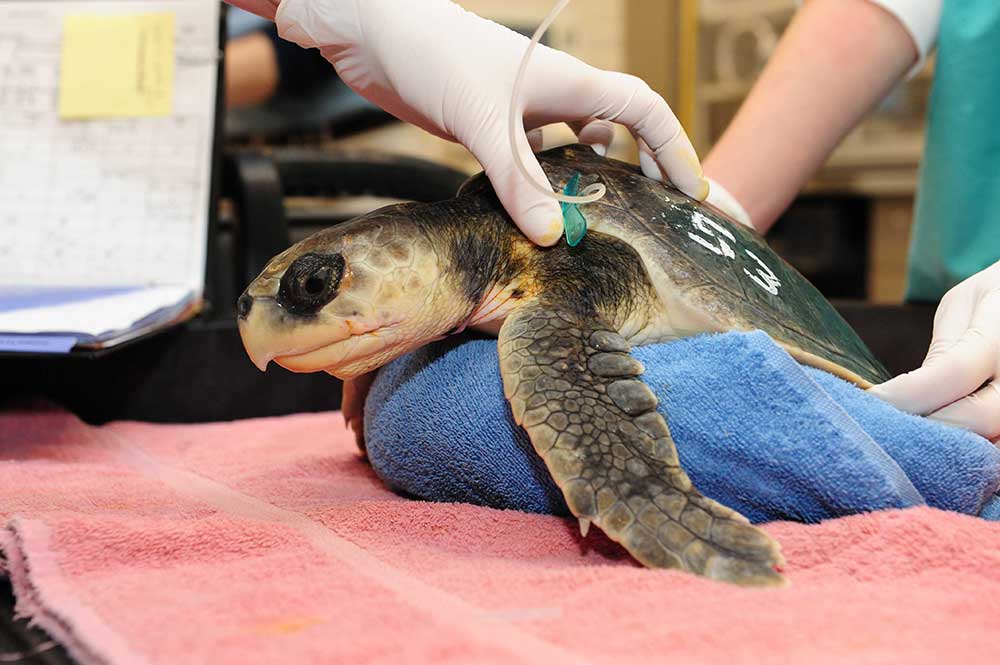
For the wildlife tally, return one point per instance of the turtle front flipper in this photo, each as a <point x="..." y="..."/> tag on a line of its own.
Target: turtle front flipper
<point x="573" y="386"/>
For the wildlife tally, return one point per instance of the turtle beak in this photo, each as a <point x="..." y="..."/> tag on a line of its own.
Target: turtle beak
<point x="270" y="333"/>
<point x="255" y="316"/>
<point x="254" y="329"/>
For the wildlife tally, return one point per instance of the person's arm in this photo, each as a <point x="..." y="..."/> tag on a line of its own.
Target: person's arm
<point x="836" y="61"/>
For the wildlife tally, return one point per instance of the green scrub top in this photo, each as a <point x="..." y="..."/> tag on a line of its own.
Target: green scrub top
<point x="957" y="220"/>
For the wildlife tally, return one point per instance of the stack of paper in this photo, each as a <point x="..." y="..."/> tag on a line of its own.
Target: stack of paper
<point x="108" y="124"/>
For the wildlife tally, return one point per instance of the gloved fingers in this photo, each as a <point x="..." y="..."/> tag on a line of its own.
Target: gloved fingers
<point x="979" y="412"/>
<point x="538" y="216"/>
<point x="963" y="355"/>
<point x="598" y="134"/>
<point x="973" y="303"/>
<point x="720" y="197"/>
<point x="628" y="100"/>
<point x="647" y="161"/>
<point x="952" y="318"/>
<point x="949" y="376"/>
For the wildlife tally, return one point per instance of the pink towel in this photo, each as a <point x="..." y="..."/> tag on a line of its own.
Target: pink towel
<point x="270" y="541"/>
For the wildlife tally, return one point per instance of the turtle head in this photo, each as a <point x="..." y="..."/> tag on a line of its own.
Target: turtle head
<point x="348" y="299"/>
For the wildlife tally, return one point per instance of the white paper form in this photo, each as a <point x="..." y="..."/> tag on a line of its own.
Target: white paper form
<point x="104" y="202"/>
<point x="96" y="312"/>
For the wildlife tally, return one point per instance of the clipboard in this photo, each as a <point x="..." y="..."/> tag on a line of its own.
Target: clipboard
<point x="199" y="55"/>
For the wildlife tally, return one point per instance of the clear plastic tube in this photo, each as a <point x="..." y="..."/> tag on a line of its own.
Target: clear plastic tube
<point x="592" y="192"/>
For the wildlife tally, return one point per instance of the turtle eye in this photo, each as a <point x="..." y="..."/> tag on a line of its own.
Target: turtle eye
<point x="310" y="283"/>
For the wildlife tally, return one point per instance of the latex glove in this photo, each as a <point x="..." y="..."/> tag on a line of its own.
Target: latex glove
<point x="964" y="354"/>
<point x="452" y="73"/>
<point x="720" y="197"/>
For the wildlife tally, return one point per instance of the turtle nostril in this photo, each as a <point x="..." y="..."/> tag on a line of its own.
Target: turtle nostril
<point x="243" y="306"/>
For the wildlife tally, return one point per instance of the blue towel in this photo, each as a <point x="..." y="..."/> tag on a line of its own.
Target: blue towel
<point x="755" y="431"/>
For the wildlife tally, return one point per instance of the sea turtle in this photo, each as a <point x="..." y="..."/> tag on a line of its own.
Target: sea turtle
<point x="654" y="265"/>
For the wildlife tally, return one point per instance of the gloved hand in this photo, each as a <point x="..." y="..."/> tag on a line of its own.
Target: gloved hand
<point x="720" y="197"/>
<point x="964" y="354"/>
<point x="452" y="73"/>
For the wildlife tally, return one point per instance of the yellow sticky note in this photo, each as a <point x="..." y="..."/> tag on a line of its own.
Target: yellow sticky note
<point x="117" y="65"/>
